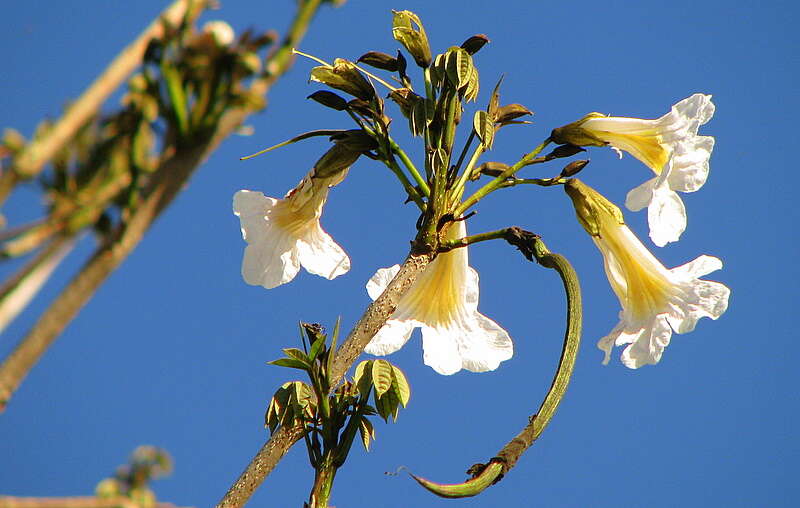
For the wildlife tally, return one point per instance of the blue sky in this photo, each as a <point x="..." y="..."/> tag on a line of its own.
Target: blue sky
<point x="172" y="351"/>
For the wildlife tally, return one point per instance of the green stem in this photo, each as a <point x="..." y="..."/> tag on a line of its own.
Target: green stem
<point x="498" y="182"/>
<point x="465" y="149"/>
<point x="412" y="192"/>
<point x="323" y="482"/>
<point x="458" y="188"/>
<point x="532" y="247"/>
<point x="469" y="240"/>
<point x="423" y="185"/>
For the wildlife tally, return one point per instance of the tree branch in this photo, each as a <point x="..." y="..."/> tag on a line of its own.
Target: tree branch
<point x="39" y="151"/>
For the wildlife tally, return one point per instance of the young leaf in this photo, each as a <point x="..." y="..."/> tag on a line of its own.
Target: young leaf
<point x="317" y="347"/>
<point x="381" y="377"/>
<point x="484" y="128"/>
<point x="400" y="386"/>
<point x="367" y="431"/>
<point x="289" y="362"/>
<point x="295" y="353"/>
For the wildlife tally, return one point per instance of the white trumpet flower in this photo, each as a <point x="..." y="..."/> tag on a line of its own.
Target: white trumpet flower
<point x="655" y="300"/>
<point x="444" y="303"/>
<point x="669" y="146"/>
<point x="282" y="234"/>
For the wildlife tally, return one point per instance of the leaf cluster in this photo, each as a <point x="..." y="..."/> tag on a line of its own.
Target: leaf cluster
<point x="332" y="415"/>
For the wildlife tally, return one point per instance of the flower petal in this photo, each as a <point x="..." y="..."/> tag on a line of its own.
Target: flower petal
<point x="251" y="208"/>
<point x="702" y="265"/>
<point x="641" y="196"/>
<point x="666" y="216"/>
<point x="320" y="255"/>
<point x="391" y="337"/>
<point x="378" y="282"/>
<point x="484" y="345"/>
<point x="690" y="163"/>
<point x="272" y="260"/>
<point x="440" y="350"/>
<point x="648" y="345"/>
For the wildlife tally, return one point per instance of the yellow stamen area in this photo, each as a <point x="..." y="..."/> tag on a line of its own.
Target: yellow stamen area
<point x="646" y="290"/>
<point x="646" y="147"/>
<point x="299" y="209"/>
<point x="436" y="296"/>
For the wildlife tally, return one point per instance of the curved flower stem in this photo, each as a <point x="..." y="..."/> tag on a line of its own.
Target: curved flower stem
<point x="36" y="154"/>
<point x="498" y="182"/>
<point x="486" y="475"/>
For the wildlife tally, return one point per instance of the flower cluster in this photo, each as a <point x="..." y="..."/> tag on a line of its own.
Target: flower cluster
<point x="284" y="234"/>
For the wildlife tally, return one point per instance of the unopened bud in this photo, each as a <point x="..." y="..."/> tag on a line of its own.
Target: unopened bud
<point x="221" y="32"/>
<point x="475" y="43"/>
<point x="329" y="99"/>
<point x="573" y="168"/>
<point x="564" y="151"/>
<point x="494" y="169"/>
<point x="379" y="61"/>
<point x="591" y="207"/>
<point x="511" y="112"/>
<point x="412" y="38"/>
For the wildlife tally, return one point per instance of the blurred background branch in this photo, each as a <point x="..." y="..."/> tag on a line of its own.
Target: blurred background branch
<point x="114" y="175"/>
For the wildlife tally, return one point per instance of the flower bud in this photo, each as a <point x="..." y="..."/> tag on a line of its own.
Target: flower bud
<point x="510" y="112"/>
<point x="379" y="61"/>
<point x="329" y="99"/>
<point x="573" y="168"/>
<point x="221" y="32"/>
<point x="475" y="43"/>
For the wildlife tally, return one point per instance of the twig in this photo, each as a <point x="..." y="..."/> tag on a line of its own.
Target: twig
<point x="73" y="502"/>
<point x="34" y="156"/>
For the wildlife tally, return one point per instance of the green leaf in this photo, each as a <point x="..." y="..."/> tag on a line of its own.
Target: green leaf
<point x="484" y="128"/>
<point x="400" y="386"/>
<point x="362" y="368"/>
<point x="317" y="347"/>
<point x="494" y="100"/>
<point x="295" y="353"/>
<point x="388" y="405"/>
<point x="381" y="377"/>
<point x="474" y="85"/>
<point x="367" y="431"/>
<point x="459" y="67"/>
<point x="289" y="362"/>
<point x="332" y="349"/>
<point x="412" y="37"/>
